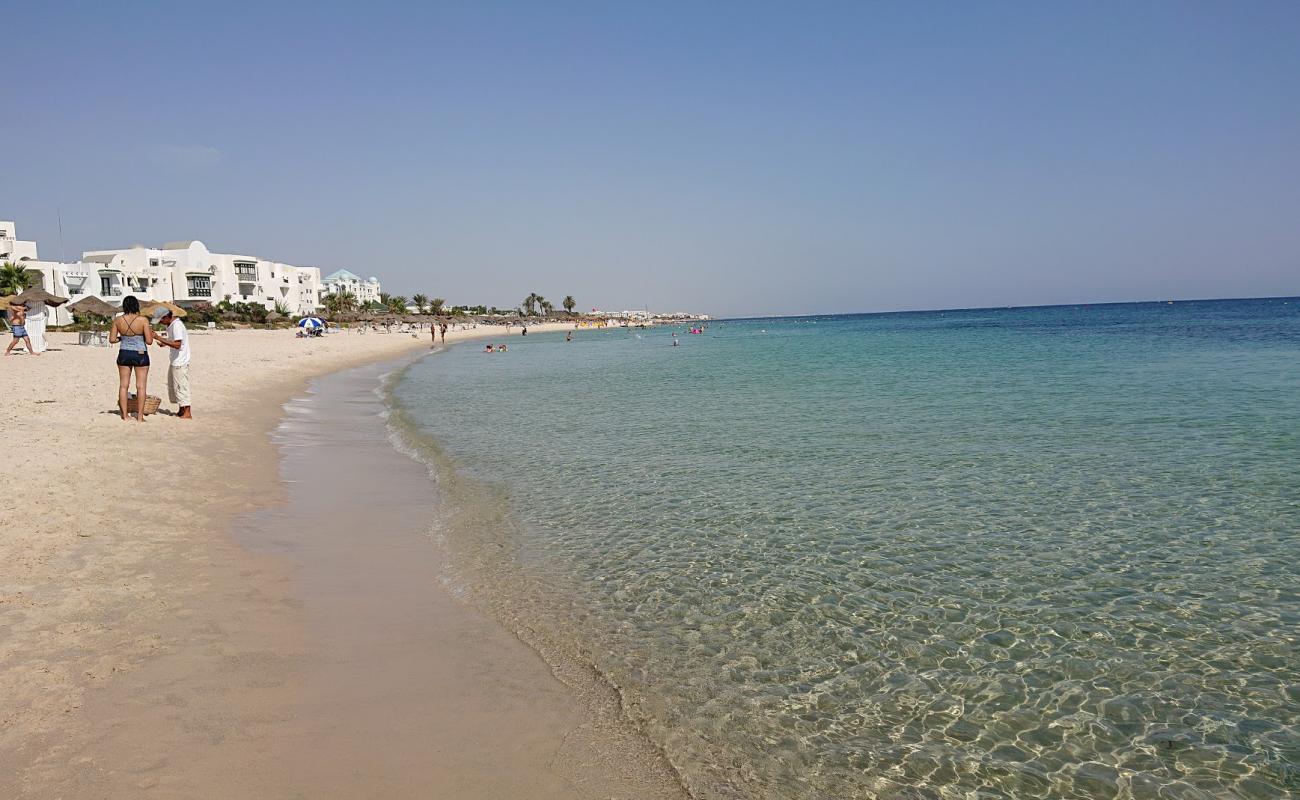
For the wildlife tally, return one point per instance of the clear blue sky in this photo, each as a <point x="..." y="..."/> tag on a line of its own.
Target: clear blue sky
<point x="738" y="158"/>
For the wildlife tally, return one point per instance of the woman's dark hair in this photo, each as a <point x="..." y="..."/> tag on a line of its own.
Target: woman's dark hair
<point x="130" y="305"/>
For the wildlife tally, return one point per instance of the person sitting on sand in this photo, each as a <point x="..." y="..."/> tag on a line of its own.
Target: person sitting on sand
<point x="18" y="322"/>
<point x="178" y="372"/>
<point x="135" y="335"/>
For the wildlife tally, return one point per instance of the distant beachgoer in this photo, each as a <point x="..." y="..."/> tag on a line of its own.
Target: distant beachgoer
<point x="178" y="372"/>
<point x="568" y="337"/>
<point x="501" y="349"/>
<point x="134" y="335"/>
<point x="525" y="333"/>
<point x="443" y="330"/>
<point x="18" y="322"/>
<point x="489" y="349"/>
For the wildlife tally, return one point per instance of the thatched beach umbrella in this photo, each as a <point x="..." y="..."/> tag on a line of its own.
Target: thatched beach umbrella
<point x="93" y="305"/>
<point x="148" y="306"/>
<point x="39" y="295"/>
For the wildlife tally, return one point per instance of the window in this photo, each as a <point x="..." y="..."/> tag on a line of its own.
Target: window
<point x="153" y="262"/>
<point x="105" y="285"/>
<point x="199" y="285"/>
<point x="245" y="270"/>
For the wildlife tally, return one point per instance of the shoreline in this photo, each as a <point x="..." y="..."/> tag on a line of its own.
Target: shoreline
<point x="120" y="569"/>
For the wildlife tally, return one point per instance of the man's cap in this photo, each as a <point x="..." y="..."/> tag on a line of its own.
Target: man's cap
<point x="160" y="312"/>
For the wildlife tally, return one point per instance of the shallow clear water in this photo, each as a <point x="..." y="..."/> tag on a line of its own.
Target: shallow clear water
<point x="1003" y="553"/>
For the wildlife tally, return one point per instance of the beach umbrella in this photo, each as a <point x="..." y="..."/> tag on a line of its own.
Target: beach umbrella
<point x="310" y="323"/>
<point x="93" y="305"/>
<point x="39" y="295"/>
<point x="148" y="306"/>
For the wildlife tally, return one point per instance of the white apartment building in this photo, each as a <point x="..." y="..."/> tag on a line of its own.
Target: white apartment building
<point x="366" y="290"/>
<point x="188" y="272"/>
<point x="178" y="271"/>
<point x="54" y="277"/>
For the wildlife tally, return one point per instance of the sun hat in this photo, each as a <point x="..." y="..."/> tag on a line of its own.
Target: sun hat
<point x="159" y="313"/>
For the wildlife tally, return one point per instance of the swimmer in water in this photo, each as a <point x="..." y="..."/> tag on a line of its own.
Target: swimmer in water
<point x="501" y="349"/>
<point x="489" y="349"/>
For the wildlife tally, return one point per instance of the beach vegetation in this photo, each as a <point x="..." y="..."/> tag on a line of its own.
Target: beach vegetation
<point x="435" y="305"/>
<point x="282" y="309"/>
<point x="396" y="304"/>
<point x="239" y="311"/>
<point x="13" y="278"/>
<point x="203" y="312"/>
<point x="547" y="308"/>
<point x="421" y="302"/>
<point x="569" y="303"/>
<point x="338" y="302"/>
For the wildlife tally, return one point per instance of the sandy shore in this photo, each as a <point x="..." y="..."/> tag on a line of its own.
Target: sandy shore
<point x="143" y="651"/>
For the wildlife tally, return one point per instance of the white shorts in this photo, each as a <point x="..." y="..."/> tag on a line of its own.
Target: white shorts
<point x="178" y="384"/>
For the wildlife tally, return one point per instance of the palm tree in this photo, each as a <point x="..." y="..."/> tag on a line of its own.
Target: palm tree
<point x="529" y="303"/>
<point x="384" y="297"/>
<point x="547" y="308"/>
<point x="13" y="278"/>
<point x="435" y="305"/>
<point x="421" y="302"/>
<point x="397" y="304"/>
<point x="541" y="302"/>
<point x="569" y="303"/>
<point x="336" y="302"/>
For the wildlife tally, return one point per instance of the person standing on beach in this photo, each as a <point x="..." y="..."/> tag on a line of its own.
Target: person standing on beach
<point x="178" y="372"/>
<point x="442" y="328"/>
<point x="134" y="335"/>
<point x="18" y="322"/>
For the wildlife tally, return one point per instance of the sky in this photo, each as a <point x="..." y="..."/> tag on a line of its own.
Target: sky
<point x="733" y="158"/>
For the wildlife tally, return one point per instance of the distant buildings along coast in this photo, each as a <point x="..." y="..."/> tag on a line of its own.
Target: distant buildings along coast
<point x="364" y="290"/>
<point x="183" y="272"/>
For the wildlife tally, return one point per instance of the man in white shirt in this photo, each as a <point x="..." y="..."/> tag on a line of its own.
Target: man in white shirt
<point x="178" y="376"/>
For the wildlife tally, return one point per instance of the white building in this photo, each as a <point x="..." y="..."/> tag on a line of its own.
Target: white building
<point x="365" y="290"/>
<point x="189" y="272"/>
<point x="53" y="276"/>
<point x="178" y="271"/>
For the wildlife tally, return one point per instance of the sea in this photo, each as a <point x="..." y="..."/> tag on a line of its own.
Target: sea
<point x="1046" y="552"/>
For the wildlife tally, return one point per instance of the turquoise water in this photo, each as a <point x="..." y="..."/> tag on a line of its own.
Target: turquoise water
<point x="1042" y="552"/>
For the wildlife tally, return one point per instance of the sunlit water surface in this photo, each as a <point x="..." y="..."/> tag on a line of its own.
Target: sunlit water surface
<point x="1045" y="552"/>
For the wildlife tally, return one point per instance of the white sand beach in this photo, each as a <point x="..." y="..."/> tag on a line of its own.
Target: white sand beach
<point x="145" y="653"/>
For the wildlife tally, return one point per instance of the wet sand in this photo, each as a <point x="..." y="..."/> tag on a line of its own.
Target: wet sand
<point x="315" y="653"/>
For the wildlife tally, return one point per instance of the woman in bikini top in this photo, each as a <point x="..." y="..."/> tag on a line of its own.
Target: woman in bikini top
<point x="134" y="335"/>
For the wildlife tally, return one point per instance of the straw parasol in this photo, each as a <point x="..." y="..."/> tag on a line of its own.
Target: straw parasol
<point x="148" y="306"/>
<point x="39" y="295"/>
<point x="93" y="305"/>
<point x="5" y="301"/>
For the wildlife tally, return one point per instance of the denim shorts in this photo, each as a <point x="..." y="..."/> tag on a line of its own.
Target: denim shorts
<point x="132" y="358"/>
<point x="20" y="331"/>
